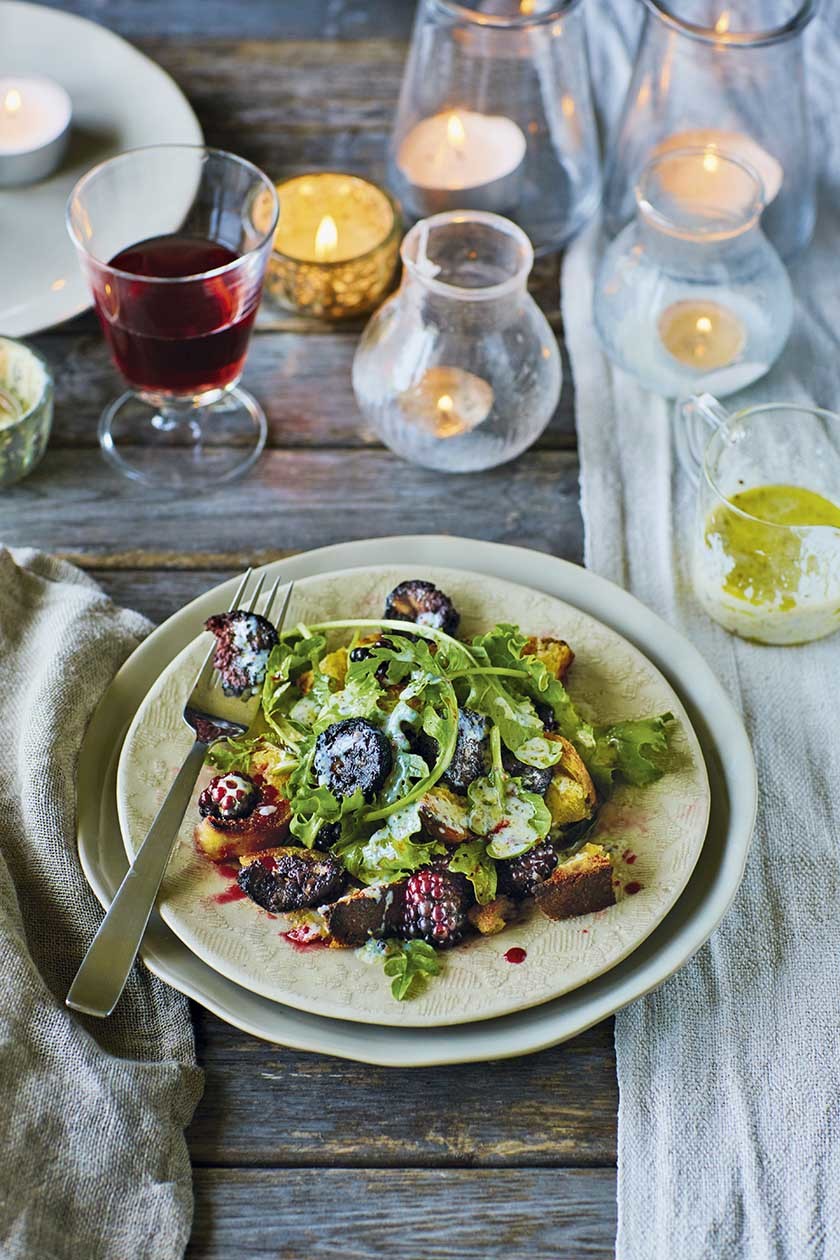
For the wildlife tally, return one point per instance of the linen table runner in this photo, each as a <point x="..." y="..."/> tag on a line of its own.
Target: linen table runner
<point x="92" y="1113"/>
<point x="729" y="1075"/>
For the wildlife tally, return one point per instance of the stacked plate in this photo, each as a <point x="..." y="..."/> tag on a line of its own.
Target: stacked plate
<point x="679" y="846"/>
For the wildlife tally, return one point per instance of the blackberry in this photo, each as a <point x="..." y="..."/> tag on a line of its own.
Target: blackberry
<point x="229" y="797"/>
<point x="292" y="882"/>
<point x="328" y="835"/>
<point x="436" y="904"/>
<point x="519" y="876"/>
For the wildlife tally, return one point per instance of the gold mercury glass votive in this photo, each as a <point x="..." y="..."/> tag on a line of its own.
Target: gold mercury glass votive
<point x="335" y="248"/>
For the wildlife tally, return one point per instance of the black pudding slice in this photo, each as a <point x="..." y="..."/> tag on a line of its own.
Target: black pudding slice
<point x="471" y="758"/>
<point x="243" y="645"/>
<point x="292" y="882"/>
<point x="352" y="755"/>
<point x="424" y="604"/>
<point x="533" y="779"/>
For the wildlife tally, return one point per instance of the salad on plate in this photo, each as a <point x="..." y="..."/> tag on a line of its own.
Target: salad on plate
<point x="403" y="791"/>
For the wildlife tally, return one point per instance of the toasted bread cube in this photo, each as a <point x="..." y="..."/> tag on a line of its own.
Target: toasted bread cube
<point x="555" y="654"/>
<point x="334" y="664"/>
<point x="571" y="795"/>
<point x="444" y="816"/>
<point x="268" y="825"/>
<point x="580" y="886"/>
<point x="494" y="917"/>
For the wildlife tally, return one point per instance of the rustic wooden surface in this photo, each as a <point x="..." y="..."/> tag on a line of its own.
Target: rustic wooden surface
<point x="298" y="1155"/>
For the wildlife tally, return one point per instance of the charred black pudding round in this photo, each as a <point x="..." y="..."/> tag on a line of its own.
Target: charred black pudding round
<point x="352" y="755"/>
<point x="292" y="882"/>
<point x="243" y="645"/>
<point x="471" y="758"/>
<point x="424" y="604"/>
<point x="533" y="779"/>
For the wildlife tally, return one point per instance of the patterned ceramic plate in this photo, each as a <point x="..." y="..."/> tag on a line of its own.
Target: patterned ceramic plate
<point x="655" y="834"/>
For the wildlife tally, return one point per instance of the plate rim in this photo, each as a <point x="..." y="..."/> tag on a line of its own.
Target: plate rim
<point x="39" y="12"/>
<point x="734" y="792"/>
<point x="313" y="1004"/>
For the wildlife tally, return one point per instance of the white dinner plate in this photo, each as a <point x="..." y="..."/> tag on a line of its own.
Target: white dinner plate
<point x="121" y="100"/>
<point x="706" y="897"/>
<point x="654" y="834"/>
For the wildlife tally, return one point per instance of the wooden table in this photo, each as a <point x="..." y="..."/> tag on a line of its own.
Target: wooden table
<point x="296" y="1155"/>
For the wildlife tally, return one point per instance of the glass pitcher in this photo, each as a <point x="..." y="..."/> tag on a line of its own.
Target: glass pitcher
<point x="692" y="296"/>
<point x="728" y="74"/>
<point x="766" y="551"/>
<point x="496" y="114"/>
<point x="460" y="370"/>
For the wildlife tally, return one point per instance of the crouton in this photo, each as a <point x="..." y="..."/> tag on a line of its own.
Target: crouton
<point x="580" y="886"/>
<point x="494" y="917"/>
<point x="555" y="654"/>
<point x="222" y="841"/>
<point x="571" y="795"/>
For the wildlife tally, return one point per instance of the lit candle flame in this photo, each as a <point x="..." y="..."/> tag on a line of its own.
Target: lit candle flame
<point x="12" y="101"/>
<point x="710" y="162"/>
<point x="704" y="324"/>
<point x="445" y="403"/>
<point x="722" y="24"/>
<point x="527" y="6"/>
<point x="567" y="104"/>
<point x="455" y="133"/>
<point x="326" y="238"/>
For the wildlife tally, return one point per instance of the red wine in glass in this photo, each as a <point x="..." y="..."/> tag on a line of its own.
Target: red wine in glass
<point x="175" y="338"/>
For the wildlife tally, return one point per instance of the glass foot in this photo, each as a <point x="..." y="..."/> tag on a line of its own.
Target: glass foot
<point x="183" y="449"/>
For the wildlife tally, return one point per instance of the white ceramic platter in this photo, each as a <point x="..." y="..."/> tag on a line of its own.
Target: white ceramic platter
<point x="708" y="894"/>
<point x="655" y="834"/>
<point x="121" y="100"/>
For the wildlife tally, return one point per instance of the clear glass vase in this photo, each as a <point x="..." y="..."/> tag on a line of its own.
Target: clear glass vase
<point x="727" y="75"/>
<point x="459" y="370"/>
<point x="692" y="296"/>
<point x="496" y="114"/>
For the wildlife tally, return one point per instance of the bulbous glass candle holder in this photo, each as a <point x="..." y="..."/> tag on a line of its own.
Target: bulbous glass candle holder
<point x="692" y="296"/>
<point x="459" y="370"/>
<point x="496" y="114"/>
<point x="730" y="76"/>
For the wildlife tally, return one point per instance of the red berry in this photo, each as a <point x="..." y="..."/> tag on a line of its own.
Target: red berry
<point x="436" y="904"/>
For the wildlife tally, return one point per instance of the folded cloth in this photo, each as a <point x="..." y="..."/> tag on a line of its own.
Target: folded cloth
<point x="729" y="1075"/>
<point x="92" y="1113"/>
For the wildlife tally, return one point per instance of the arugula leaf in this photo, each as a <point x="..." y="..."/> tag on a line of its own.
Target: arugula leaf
<point x="501" y="698"/>
<point x="409" y="963"/>
<point x="472" y="859"/>
<point x="233" y="755"/>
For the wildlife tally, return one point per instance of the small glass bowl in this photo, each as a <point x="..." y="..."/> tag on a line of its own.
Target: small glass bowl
<point x="26" y="409"/>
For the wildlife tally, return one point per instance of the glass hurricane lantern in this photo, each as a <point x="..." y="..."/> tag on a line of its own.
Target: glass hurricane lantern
<point x="692" y="296"/>
<point x="496" y="114"/>
<point x="459" y="370"/>
<point x="728" y="74"/>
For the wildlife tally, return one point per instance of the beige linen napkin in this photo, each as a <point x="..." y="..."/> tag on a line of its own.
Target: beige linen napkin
<point x="92" y="1113"/>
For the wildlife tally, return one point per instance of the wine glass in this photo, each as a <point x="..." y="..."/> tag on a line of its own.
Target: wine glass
<point x="174" y="240"/>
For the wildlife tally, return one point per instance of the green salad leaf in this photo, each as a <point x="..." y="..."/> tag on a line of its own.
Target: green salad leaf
<point x="472" y="859"/>
<point x="409" y="963"/>
<point x="635" y="750"/>
<point x="390" y="853"/>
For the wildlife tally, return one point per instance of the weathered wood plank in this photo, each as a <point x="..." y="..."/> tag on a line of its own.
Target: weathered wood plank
<point x="420" y="1215"/>
<point x="293" y="500"/>
<point x="303" y="383"/>
<point x="259" y="1107"/>
<point x="256" y="19"/>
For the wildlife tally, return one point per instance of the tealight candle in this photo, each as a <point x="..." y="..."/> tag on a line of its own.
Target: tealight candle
<point x="734" y="144"/>
<point x="335" y="247"/>
<point x="463" y="160"/>
<point x="701" y="334"/>
<point x="447" y="401"/>
<point x="35" y="118"/>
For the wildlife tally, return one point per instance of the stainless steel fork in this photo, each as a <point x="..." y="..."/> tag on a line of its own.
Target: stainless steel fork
<point x="211" y="716"/>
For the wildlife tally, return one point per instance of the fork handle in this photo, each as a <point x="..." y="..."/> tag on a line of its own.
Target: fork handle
<point x="106" y="967"/>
